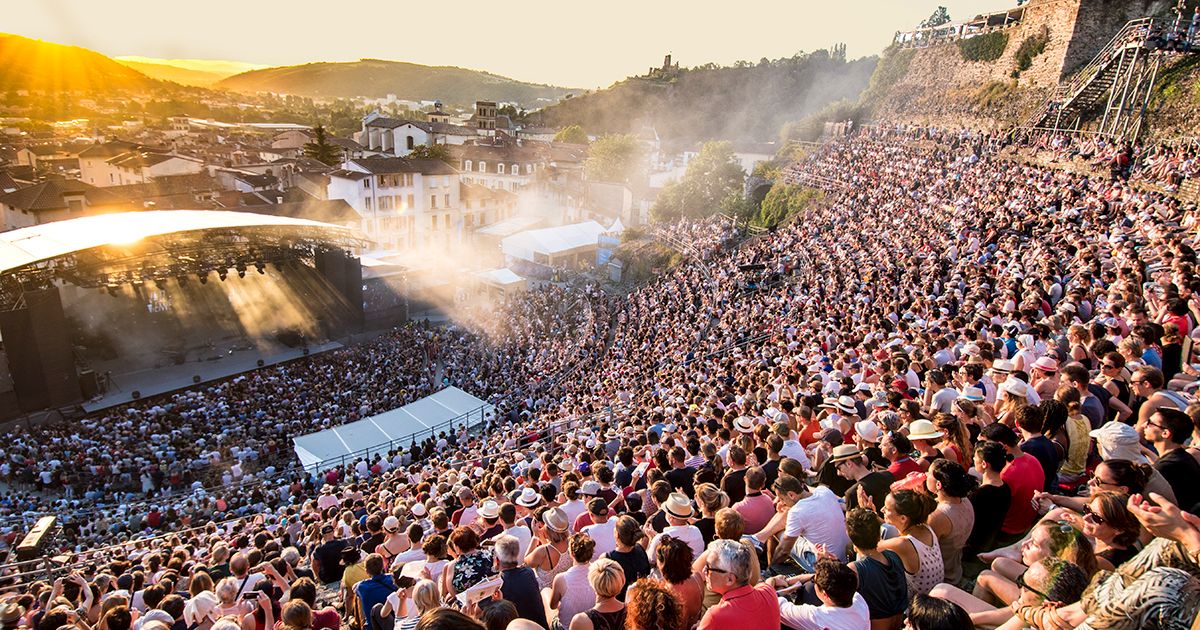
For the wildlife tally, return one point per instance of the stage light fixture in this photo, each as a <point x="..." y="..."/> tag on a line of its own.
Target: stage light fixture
<point x="261" y="267"/>
<point x="222" y="273"/>
<point x="241" y="273"/>
<point x="182" y="280"/>
<point x="203" y="277"/>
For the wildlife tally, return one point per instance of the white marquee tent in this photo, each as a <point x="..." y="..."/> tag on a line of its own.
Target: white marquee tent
<point x="381" y="433"/>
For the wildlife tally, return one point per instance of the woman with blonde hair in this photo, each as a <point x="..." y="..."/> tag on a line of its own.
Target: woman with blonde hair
<point x="296" y="615"/>
<point x="956" y="440"/>
<point x="424" y="599"/>
<point x="710" y="499"/>
<point x="608" y="580"/>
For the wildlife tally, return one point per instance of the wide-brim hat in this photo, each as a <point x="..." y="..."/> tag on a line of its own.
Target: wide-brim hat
<point x="844" y="452"/>
<point x="1014" y="387"/>
<point x="555" y="519"/>
<point x="529" y="498"/>
<point x="973" y="394"/>
<point x="868" y="431"/>
<point x="1046" y="364"/>
<point x="923" y="430"/>
<point x="1002" y="366"/>
<point x="744" y="424"/>
<point x="846" y="404"/>
<point x="678" y="505"/>
<point x="489" y="509"/>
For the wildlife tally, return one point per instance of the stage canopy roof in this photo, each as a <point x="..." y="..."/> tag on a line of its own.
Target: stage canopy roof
<point x="391" y="429"/>
<point x="552" y="241"/>
<point x="38" y="243"/>
<point x="131" y="247"/>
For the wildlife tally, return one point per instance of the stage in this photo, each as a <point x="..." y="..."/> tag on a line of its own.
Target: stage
<point x="154" y="381"/>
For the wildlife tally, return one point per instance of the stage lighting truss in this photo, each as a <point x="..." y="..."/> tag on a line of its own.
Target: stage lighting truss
<point x="177" y="255"/>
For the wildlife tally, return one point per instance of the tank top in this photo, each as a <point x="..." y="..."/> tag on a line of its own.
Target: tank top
<point x="930" y="572"/>
<point x="1077" y="451"/>
<point x="545" y="577"/>
<point x="578" y="596"/>
<point x="606" y="620"/>
<point x="962" y="520"/>
<point x="885" y="587"/>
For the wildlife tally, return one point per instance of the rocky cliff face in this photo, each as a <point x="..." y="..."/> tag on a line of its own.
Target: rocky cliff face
<point x="941" y="86"/>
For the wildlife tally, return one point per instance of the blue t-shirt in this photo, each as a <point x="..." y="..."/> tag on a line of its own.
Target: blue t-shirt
<point x="1045" y="452"/>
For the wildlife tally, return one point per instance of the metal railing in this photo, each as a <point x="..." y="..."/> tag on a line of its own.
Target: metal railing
<point x="462" y="420"/>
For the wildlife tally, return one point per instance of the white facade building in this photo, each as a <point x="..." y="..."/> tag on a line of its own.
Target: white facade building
<point x="403" y="203"/>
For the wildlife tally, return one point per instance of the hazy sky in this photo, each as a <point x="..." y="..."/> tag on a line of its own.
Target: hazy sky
<point x="564" y="42"/>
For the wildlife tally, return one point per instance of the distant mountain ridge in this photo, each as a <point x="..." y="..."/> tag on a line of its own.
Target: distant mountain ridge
<point x="32" y="64"/>
<point x="376" y="78"/>
<point x="165" y="72"/>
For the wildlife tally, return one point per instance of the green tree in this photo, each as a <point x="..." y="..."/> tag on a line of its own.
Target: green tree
<point x="939" y="17"/>
<point x="615" y="158"/>
<point x="711" y="178"/>
<point x="435" y="152"/>
<point x="784" y="201"/>
<point x="321" y="150"/>
<point x="572" y="134"/>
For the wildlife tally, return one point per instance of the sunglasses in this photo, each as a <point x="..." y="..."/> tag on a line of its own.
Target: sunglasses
<point x="1021" y="583"/>
<point x="1089" y="515"/>
<point x="708" y="568"/>
<point x="1107" y="366"/>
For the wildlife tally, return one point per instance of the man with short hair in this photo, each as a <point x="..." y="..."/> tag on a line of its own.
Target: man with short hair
<point x="813" y="515"/>
<point x="841" y="604"/>
<point x="938" y="396"/>
<point x="1029" y="422"/>
<point x="376" y="588"/>
<point x="897" y="449"/>
<point x="734" y="481"/>
<point x="520" y="584"/>
<point x="508" y="519"/>
<point x="1078" y="377"/>
<point x="727" y="572"/>
<point x="756" y="507"/>
<point x="326" y="558"/>
<point x="467" y="513"/>
<point x="681" y="476"/>
<point x="1147" y="383"/>
<point x="1167" y="429"/>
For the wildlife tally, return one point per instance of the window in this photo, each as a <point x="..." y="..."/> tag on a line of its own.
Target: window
<point x="515" y="170"/>
<point x="367" y="204"/>
<point x="500" y="169"/>
<point x="467" y="165"/>
<point x="433" y="182"/>
<point x="433" y="201"/>
<point x="385" y="203"/>
<point x="446" y="199"/>
<point x="367" y="183"/>
<point x="433" y="222"/>
<point x="410" y="201"/>
<point x="482" y="166"/>
<point x="446" y="181"/>
<point x="410" y="143"/>
<point x="528" y="169"/>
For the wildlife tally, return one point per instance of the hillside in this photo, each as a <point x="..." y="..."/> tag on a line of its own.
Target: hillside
<point x="31" y="64"/>
<point x="745" y="102"/>
<point x="182" y="76"/>
<point x="375" y="78"/>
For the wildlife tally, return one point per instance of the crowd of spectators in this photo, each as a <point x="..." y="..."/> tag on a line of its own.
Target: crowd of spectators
<point x="956" y="394"/>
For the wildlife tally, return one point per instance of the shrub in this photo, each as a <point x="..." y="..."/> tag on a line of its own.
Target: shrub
<point x="987" y="47"/>
<point x="1033" y="46"/>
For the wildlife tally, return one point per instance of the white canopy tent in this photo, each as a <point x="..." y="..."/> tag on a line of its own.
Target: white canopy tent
<point x="545" y="245"/>
<point x="388" y="430"/>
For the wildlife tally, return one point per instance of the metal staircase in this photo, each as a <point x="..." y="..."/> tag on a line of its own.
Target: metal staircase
<point x="1119" y="79"/>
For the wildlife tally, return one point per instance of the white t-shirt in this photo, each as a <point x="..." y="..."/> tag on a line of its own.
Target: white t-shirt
<point x="795" y="450"/>
<point x="819" y="519"/>
<point x="523" y="536"/>
<point x="689" y="534"/>
<point x="573" y="509"/>
<point x="808" y="617"/>
<point x="605" y="535"/>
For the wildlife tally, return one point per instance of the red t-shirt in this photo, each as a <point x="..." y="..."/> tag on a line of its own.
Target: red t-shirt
<point x="1024" y="476"/>
<point x="901" y="468"/>
<point x="808" y="434"/>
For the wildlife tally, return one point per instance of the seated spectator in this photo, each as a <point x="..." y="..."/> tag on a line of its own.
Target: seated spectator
<point x="608" y="581"/>
<point x="841" y="604"/>
<point x="652" y="605"/>
<point x="571" y="592"/>
<point x="881" y="576"/>
<point x="727" y="572"/>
